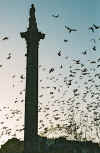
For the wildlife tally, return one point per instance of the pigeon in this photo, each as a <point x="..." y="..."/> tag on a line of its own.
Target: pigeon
<point x="20" y="92"/>
<point x="98" y="60"/>
<point x="22" y="76"/>
<point x="96" y="27"/>
<point x="92" y="62"/>
<point x="5" y="38"/>
<point x="91" y="28"/>
<point x="94" y="48"/>
<point x="98" y="65"/>
<point x="65" y="40"/>
<point x="9" y="56"/>
<point x="51" y="93"/>
<point x="84" y="52"/>
<point x="51" y="70"/>
<point x="61" y="66"/>
<point x="59" y="53"/>
<point x="55" y="16"/>
<point x="77" y="61"/>
<point x="69" y="29"/>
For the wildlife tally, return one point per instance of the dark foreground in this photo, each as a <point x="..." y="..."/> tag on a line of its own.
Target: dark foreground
<point x="59" y="145"/>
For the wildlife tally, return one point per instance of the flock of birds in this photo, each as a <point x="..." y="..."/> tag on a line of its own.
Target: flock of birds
<point x="73" y="99"/>
<point x="92" y="28"/>
<point x="76" y="93"/>
<point x="68" y="102"/>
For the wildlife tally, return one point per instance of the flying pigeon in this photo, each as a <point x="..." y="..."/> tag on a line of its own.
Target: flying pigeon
<point x="51" y="70"/>
<point x="22" y="76"/>
<point x="55" y="16"/>
<point x="91" y="28"/>
<point x="9" y="56"/>
<point x="94" y="48"/>
<point x="59" y="53"/>
<point x="65" y="40"/>
<point x="61" y="66"/>
<point x="69" y="29"/>
<point x="96" y="27"/>
<point x="5" y="38"/>
<point x="84" y="52"/>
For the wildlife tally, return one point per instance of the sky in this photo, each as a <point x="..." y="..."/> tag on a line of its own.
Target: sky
<point x="79" y="15"/>
<point x="14" y="19"/>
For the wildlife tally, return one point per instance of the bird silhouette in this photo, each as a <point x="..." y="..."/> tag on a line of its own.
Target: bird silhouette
<point x="20" y="92"/>
<point x="51" y="93"/>
<point x="91" y="28"/>
<point x="9" y="56"/>
<point x="94" y="48"/>
<point x="65" y="40"/>
<point x="55" y="16"/>
<point x="22" y="76"/>
<point x="84" y="52"/>
<point x="61" y="66"/>
<point x="69" y="29"/>
<point x="51" y="70"/>
<point x="96" y="27"/>
<point x="92" y="62"/>
<point x="5" y="38"/>
<point x="77" y="61"/>
<point x="59" y="53"/>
